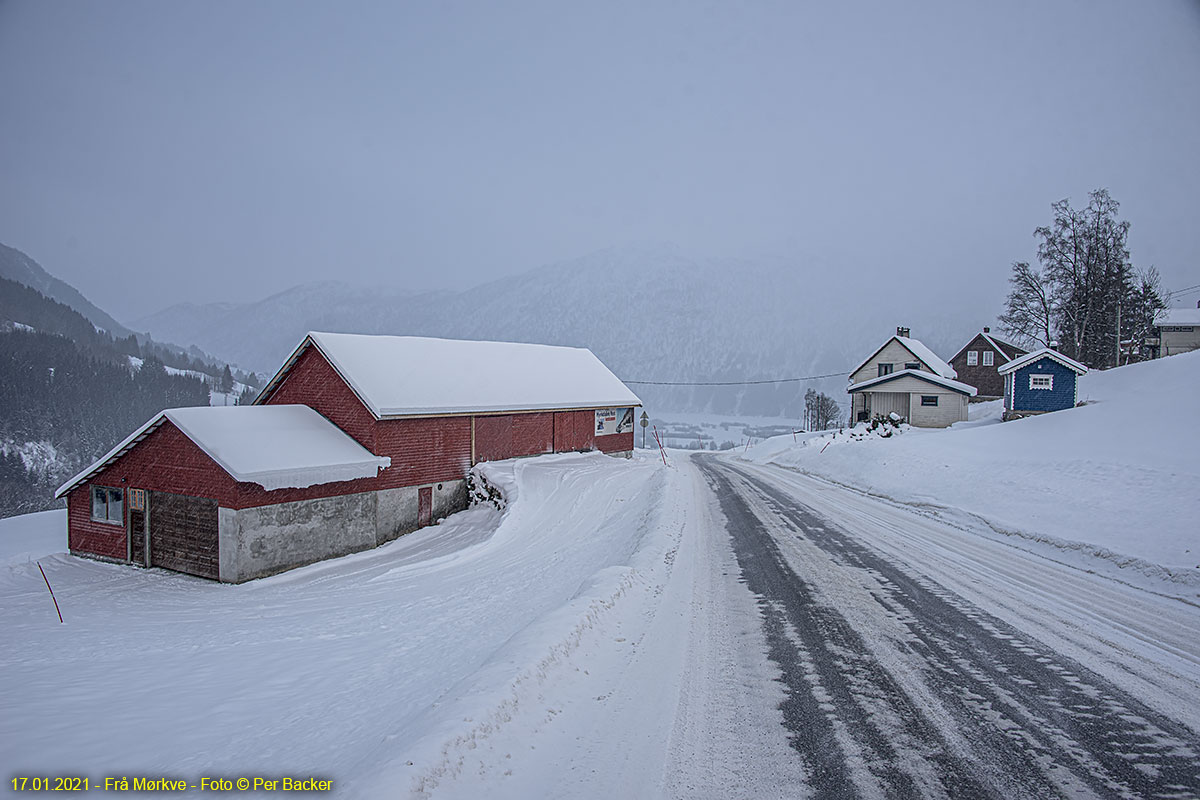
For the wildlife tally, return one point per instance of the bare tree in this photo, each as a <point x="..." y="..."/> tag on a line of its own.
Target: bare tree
<point x="1028" y="312"/>
<point x="828" y="412"/>
<point x="1087" y="294"/>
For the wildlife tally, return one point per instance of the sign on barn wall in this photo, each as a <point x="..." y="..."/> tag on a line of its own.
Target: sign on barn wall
<point x="614" y="420"/>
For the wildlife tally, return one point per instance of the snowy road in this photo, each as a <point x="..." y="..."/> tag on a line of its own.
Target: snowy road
<point x="923" y="660"/>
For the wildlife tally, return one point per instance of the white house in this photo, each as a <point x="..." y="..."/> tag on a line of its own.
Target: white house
<point x="904" y="377"/>
<point x="1178" y="331"/>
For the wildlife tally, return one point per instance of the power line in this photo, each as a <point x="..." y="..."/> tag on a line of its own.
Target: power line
<point x="1187" y="290"/>
<point x="736" y="383"/>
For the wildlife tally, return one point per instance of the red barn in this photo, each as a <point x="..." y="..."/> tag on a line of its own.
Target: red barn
<point x="355" y="441"/>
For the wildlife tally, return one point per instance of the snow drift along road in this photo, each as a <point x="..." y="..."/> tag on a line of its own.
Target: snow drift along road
<point x="1111" y="484"/>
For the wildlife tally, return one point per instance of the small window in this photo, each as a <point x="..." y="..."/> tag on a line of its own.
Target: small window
<point x="972" y="358"/>
<point x="929" y="399"/>
<point x="885" y="369"/>
<point x="989" y="358"/>
<point x="1041" y="381"/>
<point x="913" y="365"/>
<point x="107" y="505"/>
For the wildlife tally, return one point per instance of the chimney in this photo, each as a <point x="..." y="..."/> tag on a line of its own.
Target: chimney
<point x="902" y="332"/>
<point x="986" y="329"/>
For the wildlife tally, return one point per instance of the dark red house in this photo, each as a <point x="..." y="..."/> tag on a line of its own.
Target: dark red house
<point x="355" y="441"/>
<point x="978" y="361"/>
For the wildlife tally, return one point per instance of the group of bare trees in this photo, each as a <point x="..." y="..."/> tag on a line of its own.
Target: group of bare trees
<point x="821" y="412"/>
<point x="1084" y="292"/>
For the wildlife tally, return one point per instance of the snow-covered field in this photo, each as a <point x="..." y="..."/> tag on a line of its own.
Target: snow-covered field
<point x="476" y="656"/>
<point x="593" y="639"/>
<point x="1114" y="484"/>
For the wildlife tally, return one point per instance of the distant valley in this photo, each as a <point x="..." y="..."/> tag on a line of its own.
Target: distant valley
<point x="650" y="312"/>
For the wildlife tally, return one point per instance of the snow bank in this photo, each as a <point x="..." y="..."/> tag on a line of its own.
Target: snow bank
<point x="383" y="669"/>
<point x="1115" y="479"/>
<point x="32" y="536"/>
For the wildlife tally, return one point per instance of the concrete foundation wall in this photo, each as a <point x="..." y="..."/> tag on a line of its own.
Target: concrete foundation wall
<point x="260" y="541"/>
<point x="449" y="497"/>
<point x="256" y="542"/>
<point x="396" y="509"/>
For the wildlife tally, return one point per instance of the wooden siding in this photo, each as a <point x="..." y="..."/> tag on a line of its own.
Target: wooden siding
<point x="574" y="431"/>
<point x="987" y="380"/>
<point x="137" y="537"/>
<point x="951" y="408"/>
<point x="1176" y="339"/>
<point x="1062" y="396"/>
<point x="512" y="435"/>
<point x="183" y="534"/>
<point x="615" y="442"/>
<point x="312" y="381"/>
<point x="892" y="353"/>
<point x="423" y="450"/>
<point x="85" y="535"/>
<point x="884" y="403"/>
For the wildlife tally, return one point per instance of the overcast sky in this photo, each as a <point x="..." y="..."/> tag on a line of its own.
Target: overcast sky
<point x="157" y="152"/>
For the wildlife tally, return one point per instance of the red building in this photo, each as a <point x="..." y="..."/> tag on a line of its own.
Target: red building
<point x="242" y="492"/>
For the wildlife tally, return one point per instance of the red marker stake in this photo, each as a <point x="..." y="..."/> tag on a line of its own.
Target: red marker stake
<point x="52" y="597"/>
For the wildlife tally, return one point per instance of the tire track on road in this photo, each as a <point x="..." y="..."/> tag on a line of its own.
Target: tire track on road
<point x="965" y="705"/>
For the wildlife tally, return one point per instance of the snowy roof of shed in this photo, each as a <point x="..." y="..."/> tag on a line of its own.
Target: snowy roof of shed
<point x="918" y="349"/>
<point x="1037" y="355"/>
<point x="277" y="447"/>
<point x="1178" y="316"/>
<point x="928" y="377"/>
<point x="398" y="376"/>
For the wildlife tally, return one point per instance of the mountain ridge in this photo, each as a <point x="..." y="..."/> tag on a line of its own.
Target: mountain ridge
<point x="650" y="312"/>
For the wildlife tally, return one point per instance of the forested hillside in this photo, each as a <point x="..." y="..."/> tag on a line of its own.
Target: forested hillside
<point x="68" y="393"/>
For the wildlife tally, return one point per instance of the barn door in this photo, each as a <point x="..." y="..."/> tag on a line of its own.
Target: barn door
<point x="183" y="534"/>
<point x="424" y="506"/>
<point x="136" y="500"/>
<point x="137" y="537"/>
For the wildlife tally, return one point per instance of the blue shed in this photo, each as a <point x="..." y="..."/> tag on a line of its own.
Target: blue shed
<point x="1041" y="381"/>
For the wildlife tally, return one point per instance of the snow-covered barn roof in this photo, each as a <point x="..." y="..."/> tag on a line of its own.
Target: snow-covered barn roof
<point x="284" y="446"/>
<point x="1045" y="352"/>
<point x="920" y="351"/>
<point x="928" y="377"/>
<point x="398" y="376"/>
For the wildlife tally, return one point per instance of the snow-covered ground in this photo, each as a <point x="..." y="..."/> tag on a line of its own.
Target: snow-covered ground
<point x="478" y="656"/>
<point x="1114" y="484"/>
<point x="594" y="638"/>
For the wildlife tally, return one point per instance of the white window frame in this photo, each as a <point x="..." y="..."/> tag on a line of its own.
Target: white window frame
<point x="989" y="358"/>
<point x="113" y="502"/>
<point x="972" y="358"/>
<point x="1049" y="381"/>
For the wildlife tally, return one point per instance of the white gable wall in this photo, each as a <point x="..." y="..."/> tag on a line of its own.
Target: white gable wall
<point x="892" y="353"/>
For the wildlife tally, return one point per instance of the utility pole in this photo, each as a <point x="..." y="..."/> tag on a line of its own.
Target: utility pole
<point x="1118" y="333"/>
